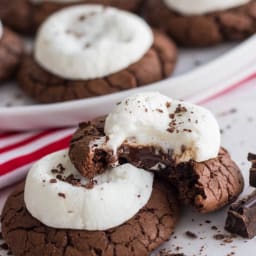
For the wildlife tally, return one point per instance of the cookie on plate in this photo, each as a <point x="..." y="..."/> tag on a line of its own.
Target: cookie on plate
<point x="204" y="22"/>
<point x="91" y="50"/>
<point x="175" y="140"/>
<point x="11" y="50"/>
<point x="29" y="14"/>
<point x="88" y="219"/>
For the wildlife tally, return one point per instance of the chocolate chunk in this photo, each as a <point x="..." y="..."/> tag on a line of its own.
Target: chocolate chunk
<point x="207" y="186"/>
<point x="252" y="159"/>
<point x="241" y="219"/>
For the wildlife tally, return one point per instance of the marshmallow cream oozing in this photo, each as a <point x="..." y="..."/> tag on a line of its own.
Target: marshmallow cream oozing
<point x="1" y="29"/>
<point x="198" y="7"/>
<point x="91" y="41"/>
<point x="190" y="132"/>
<point x="116" y="196"/>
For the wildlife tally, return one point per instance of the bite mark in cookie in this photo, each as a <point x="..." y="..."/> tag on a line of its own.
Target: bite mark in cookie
<point x="189" y="156"/>
<point x="207" y="186"/>
<point x="178" y="131"/>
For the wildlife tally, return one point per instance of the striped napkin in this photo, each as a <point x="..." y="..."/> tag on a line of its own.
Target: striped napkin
<point x="18" y="151"/>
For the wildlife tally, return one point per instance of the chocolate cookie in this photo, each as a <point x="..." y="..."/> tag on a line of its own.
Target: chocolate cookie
<point x="157" y="64"/>
<point x="29" y="16"/>
<point x="207" y="186"/>
<point x="203" y="30"/>
<point x="11" y="49"/>
<point x="146" y="231"/>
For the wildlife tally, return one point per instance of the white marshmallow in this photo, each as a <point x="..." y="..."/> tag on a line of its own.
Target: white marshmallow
<point x="148" y="119"/>
<point x="117" y="195"/>
<point x="1" y="29"/>
<point x="91" y="41"/>
<point x="198" y="7"/>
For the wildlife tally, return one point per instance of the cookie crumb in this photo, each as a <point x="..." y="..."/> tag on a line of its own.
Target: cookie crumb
<point x="219" y="237"/>
<point x="62" y="195"/>
<point x="168" y="104"/>
<point x="191" y="235"/>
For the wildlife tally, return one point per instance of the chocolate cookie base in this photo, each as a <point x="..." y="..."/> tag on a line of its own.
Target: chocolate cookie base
<point x="11" y="49"/>
<point x="146" y="231"/>
<point x="203" y="30"/>
<point x="157" y="64"/>
<point x="207" y="186"/>
<point x="29" y="16"/>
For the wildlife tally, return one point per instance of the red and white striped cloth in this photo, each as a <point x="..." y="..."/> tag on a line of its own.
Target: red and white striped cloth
<point x="18" y="151"/>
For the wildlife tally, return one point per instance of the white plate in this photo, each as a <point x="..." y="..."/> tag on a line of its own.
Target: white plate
<point x="239" y="137"/>
<point x="214" y="76"/>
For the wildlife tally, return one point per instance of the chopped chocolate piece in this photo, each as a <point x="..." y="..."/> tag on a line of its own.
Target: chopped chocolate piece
<point x="4" y="246"/>
<point x="191" y="234"/>
<point x="219" y="237"/>
<point x="252" y="159"/>
<point x="53" y="181"/>
<point x="62" y="195"/>
<point x="241" y="219"/>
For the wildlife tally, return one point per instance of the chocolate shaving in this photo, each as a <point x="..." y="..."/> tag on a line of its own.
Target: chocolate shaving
<point x="191" y="235"/>
<point x="62" y="195"/>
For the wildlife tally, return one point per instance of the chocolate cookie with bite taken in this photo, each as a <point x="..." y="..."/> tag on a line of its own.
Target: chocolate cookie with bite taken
<point x="11" y="50"/>
<point x="203" y="23"/>
<point x="29" y="14"/>
<point x="181" y="149"/>
<point x="98" y="58"/>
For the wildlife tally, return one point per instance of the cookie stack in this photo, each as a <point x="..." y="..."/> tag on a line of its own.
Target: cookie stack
<point x="117" y="190"/>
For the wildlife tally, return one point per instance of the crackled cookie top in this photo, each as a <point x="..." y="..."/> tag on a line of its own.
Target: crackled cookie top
<point x="91" y="41"/>
<point x="189" y="131"/>
<point x="58" y="196"/>
<point x="198" y="7"/>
